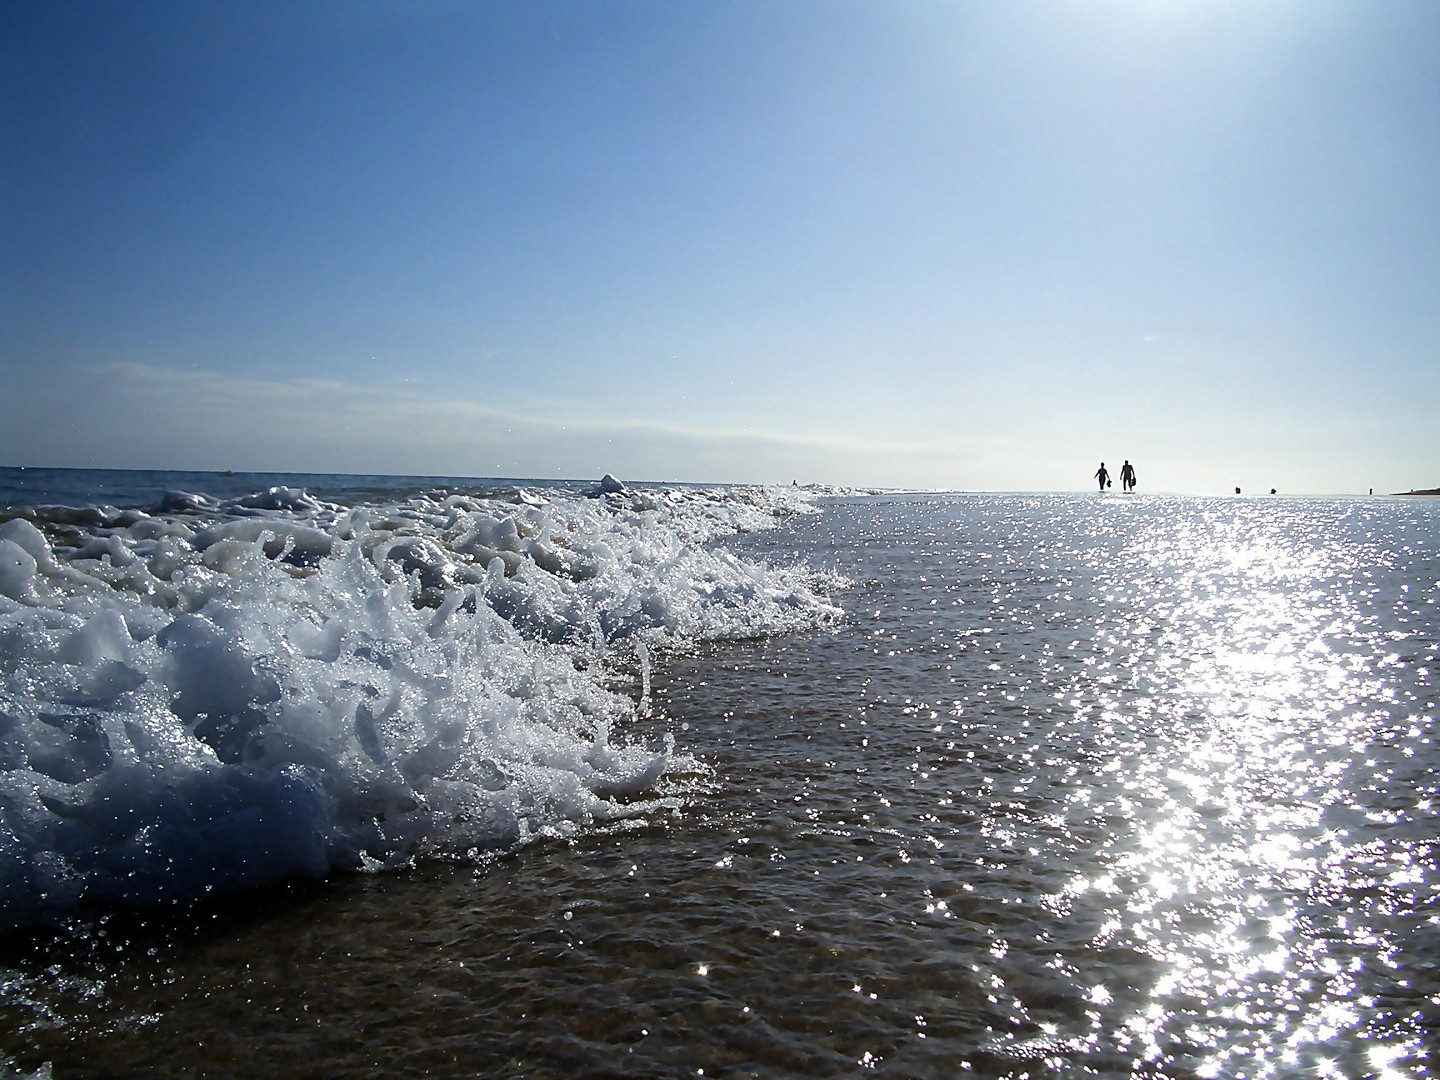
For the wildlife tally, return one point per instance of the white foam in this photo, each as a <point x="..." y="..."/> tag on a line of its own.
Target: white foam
<point x="205" y="699"/>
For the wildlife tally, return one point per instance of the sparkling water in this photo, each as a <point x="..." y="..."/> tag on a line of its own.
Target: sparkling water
<point x="912" y="785"/>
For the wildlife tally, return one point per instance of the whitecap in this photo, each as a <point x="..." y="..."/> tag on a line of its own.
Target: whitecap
<point x="214" y="698"/>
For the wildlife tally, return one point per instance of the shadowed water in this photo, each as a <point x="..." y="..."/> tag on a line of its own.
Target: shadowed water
<point x="1081" y="787"/>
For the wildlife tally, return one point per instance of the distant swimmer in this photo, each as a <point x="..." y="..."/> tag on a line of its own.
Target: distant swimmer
<point x="1103" y="476"/>
<point x="1127" y="476"/>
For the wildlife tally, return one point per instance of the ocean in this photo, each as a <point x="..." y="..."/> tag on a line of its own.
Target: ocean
<point x="324" y="776"/>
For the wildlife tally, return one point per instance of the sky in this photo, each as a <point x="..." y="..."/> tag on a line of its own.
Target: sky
<point x="980" y="244"/>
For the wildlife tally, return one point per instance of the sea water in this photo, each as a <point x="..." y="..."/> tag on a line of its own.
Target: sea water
<point x="512" y="781"/>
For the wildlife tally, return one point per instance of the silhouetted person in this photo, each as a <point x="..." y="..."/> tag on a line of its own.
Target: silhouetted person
<point x="1127" y="476"/>
<point x="1103" y="476"/>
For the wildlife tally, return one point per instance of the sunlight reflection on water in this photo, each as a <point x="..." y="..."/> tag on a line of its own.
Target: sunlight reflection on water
<point x="1275" y="655"/>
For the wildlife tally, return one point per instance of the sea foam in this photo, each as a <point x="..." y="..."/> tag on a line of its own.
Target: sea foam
<point x="213" y="697"/>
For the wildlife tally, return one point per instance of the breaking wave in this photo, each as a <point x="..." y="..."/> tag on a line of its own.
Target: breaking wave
<point x="212" y="696"/>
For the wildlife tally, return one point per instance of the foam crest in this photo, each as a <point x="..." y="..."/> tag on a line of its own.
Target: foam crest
<point x="217" y="696"/>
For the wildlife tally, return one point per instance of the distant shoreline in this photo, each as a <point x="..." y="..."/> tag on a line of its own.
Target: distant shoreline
<point x="1427" y="491"/>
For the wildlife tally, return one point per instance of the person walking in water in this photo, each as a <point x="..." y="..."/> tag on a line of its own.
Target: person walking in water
<point x="1127" y="476"/>
<point x="1103" y="476"/>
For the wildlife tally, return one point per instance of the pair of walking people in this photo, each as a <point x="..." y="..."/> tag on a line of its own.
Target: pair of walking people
<point x="1127" y="476"/>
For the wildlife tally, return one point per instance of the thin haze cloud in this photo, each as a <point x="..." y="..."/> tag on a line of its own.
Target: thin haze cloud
<point x="908" y="244"/>
<point x="253" y="424"/>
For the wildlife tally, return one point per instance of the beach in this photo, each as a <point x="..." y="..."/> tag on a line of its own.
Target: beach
<point x="523" y="779"/>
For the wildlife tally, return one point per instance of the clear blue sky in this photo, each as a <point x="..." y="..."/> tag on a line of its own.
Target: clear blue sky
<point x="973" y="244"/>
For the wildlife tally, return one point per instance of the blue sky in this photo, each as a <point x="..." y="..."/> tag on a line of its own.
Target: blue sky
<point x="978" y="244"/>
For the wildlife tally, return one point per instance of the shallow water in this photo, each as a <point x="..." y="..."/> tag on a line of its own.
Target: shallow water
<point x="1081" y="786"/>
